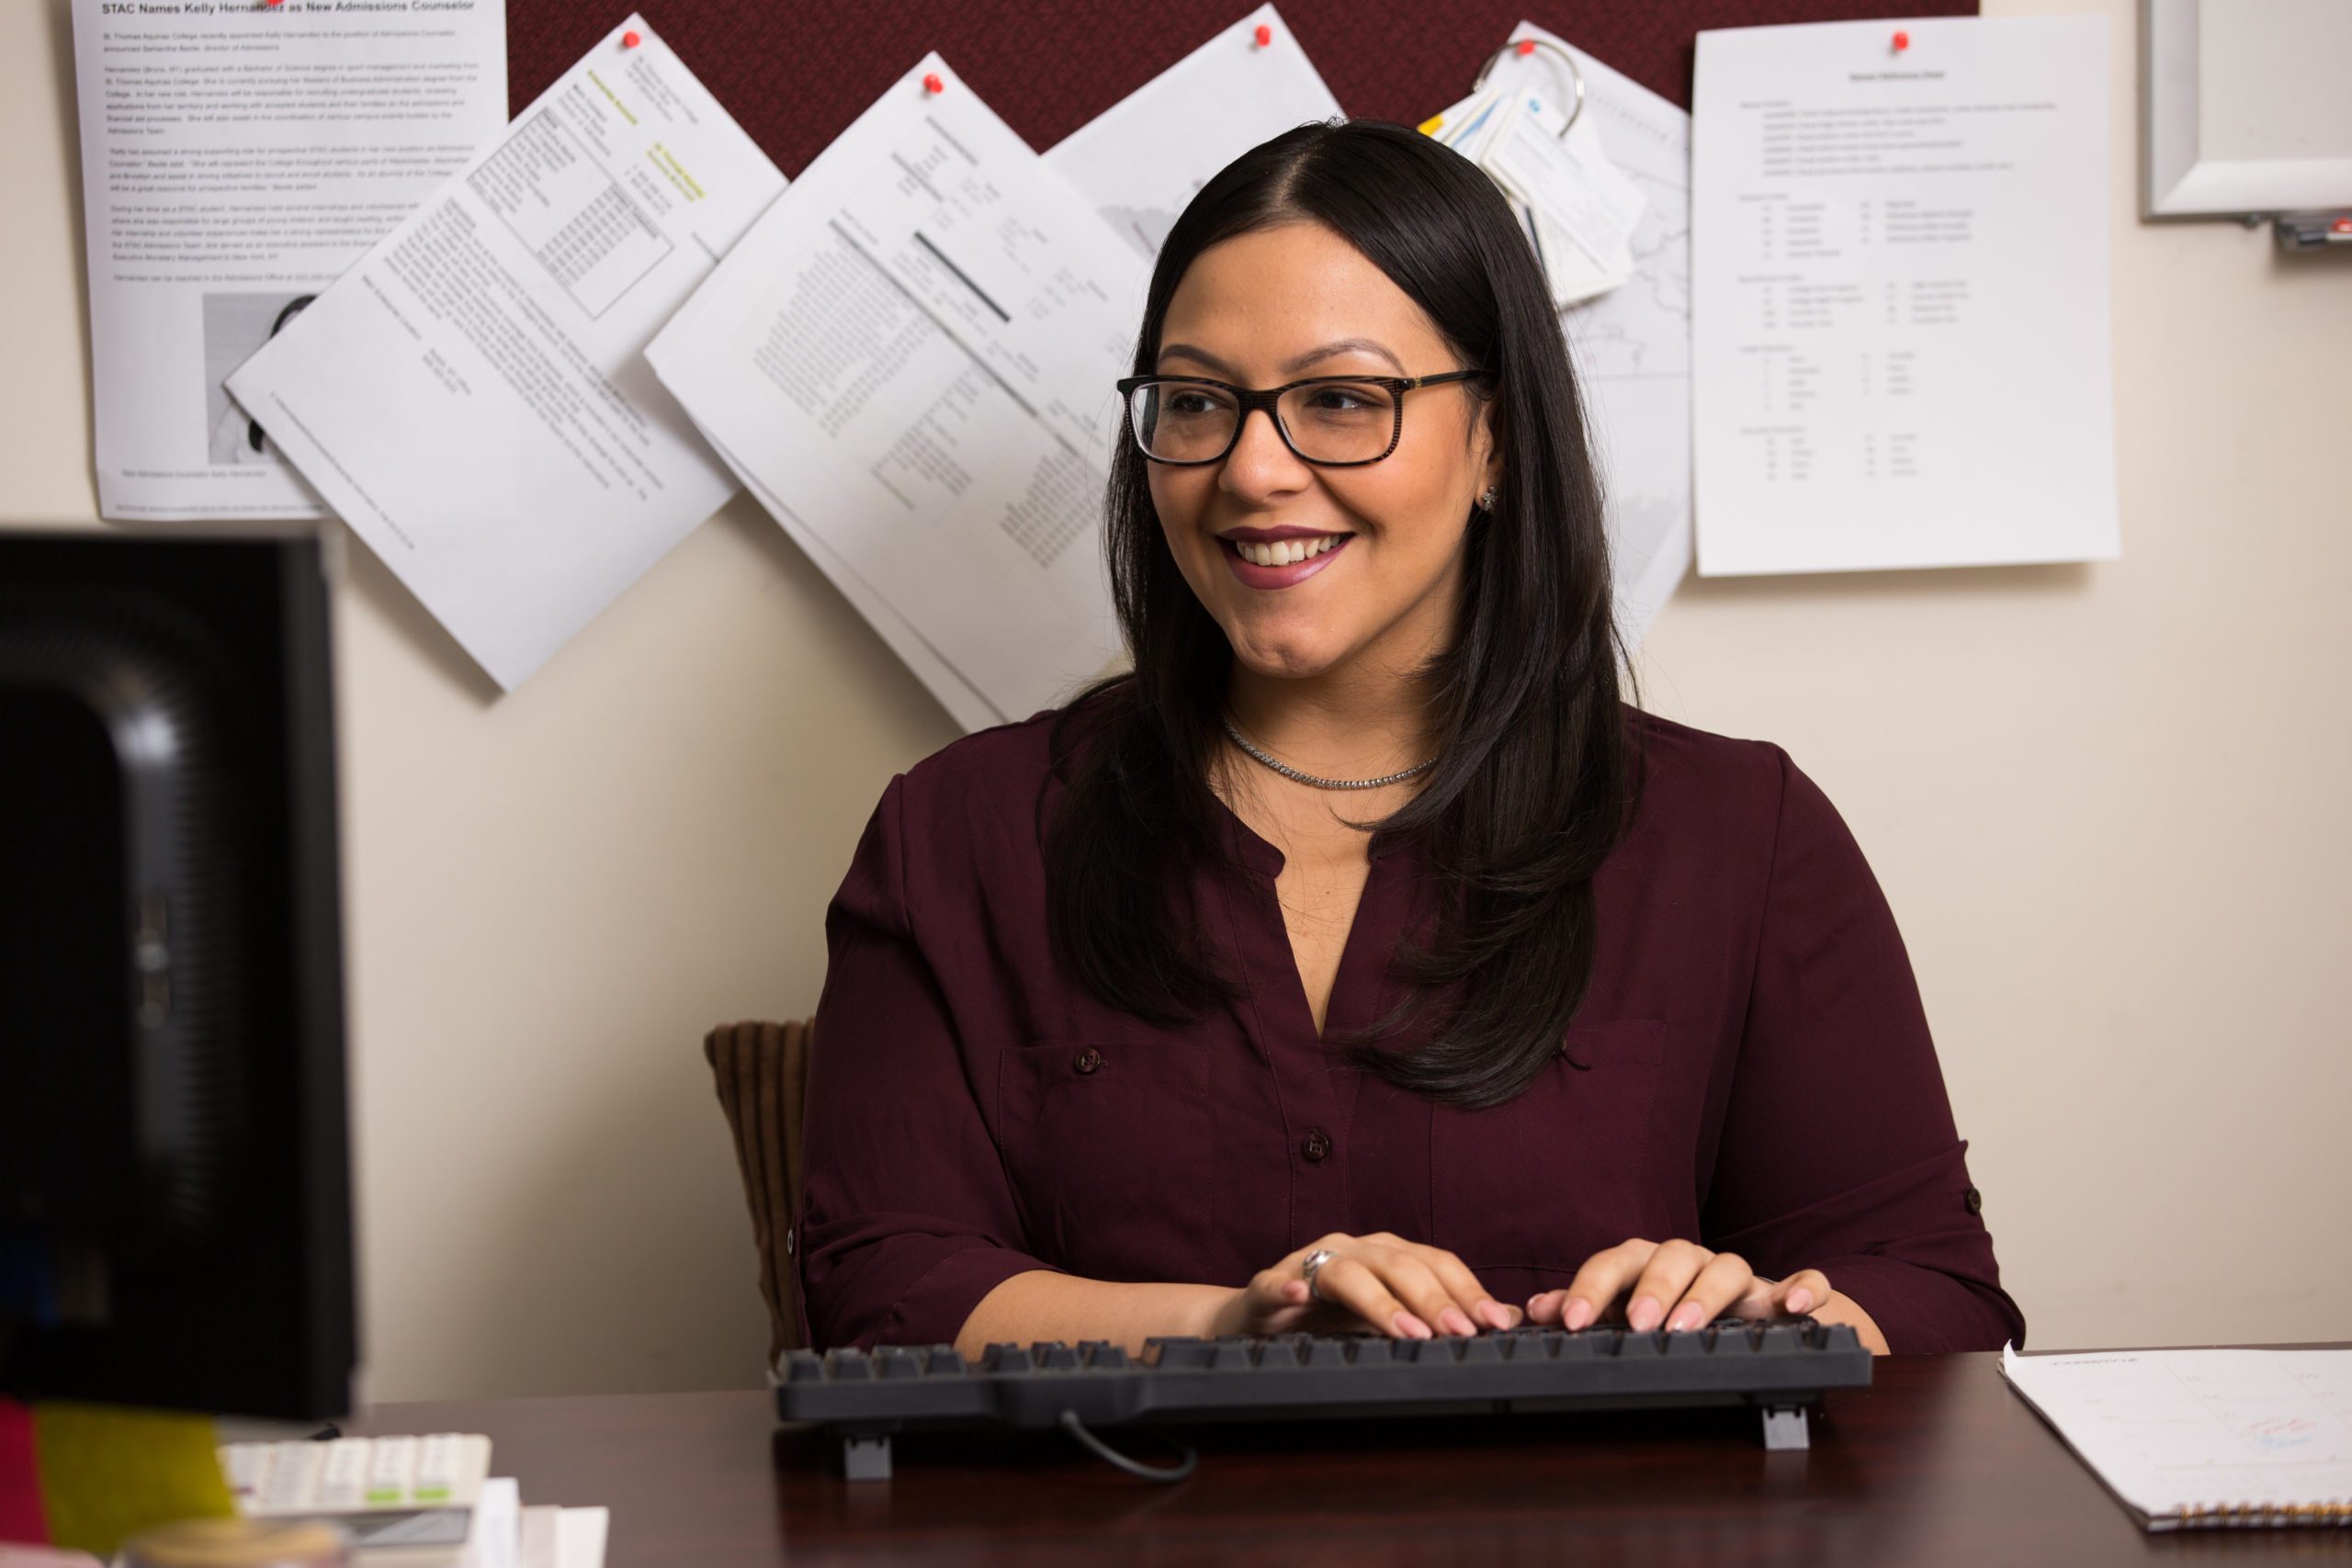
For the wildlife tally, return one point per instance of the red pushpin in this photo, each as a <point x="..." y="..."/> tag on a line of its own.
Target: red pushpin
<point x="1265" y="35"/>
<point x="932" y="84"/>
<point x="630" y="41"/>
<point x="1902" y="41"/>
<point x="273" y="4"/>
<point x="1526" y="47"/>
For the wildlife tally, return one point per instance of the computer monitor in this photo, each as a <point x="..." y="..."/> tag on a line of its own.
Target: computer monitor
<point x="175" y="1178"/>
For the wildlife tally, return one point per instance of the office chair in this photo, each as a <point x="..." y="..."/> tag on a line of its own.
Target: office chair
<point x="762" y="1072"/>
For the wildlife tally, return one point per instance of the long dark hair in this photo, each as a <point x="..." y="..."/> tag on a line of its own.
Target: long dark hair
<point x="1535" y="780"/>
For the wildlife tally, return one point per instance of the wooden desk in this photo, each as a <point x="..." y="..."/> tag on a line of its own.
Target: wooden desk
<point x="1937" y="1462"/>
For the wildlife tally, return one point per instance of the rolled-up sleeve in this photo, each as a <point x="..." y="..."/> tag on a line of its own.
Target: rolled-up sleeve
<point x="1838" y="1150"/>
<point x="906" y="1219"/>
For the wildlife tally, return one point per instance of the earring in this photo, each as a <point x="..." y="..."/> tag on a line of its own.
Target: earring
<point x="1487" y="499"/>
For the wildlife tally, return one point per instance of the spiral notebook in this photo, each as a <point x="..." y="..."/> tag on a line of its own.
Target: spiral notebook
<point x="2200" y="1439"/>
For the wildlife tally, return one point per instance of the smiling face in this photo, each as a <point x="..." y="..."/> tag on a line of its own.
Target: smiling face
<point x="1275" y="306"/>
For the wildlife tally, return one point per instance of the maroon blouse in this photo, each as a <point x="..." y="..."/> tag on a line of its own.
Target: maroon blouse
<point x="1760" y="1074"/>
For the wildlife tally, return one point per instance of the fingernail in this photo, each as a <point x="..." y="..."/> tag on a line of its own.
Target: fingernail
<point x="1457" y="1322"/>
<point x="1644" y="1314"/>
<point x="1497" y="1314"/>
<point x="1579" y="1313"/>
<point x="1686" y="1317"/>
<point x="1799" y="1299"/>
<point x="1411" y="1327"/>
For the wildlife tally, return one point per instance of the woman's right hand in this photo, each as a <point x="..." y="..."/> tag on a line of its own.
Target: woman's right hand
<point x="1395" y="1287"/>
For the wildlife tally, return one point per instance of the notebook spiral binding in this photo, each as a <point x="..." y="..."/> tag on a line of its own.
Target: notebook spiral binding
<point x="2258" y="1516"/>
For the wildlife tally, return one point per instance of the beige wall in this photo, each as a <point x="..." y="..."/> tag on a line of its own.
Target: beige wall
<point x="2106" y="802"/>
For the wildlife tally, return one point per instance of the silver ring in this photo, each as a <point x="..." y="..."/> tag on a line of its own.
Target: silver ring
<point x="1312" y="1264"/>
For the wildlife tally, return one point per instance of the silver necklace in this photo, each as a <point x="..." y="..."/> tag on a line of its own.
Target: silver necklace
<point x="1290" y="773"/>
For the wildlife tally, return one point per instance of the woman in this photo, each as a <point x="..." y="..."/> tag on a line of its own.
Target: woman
<point x="1361" y="961"/>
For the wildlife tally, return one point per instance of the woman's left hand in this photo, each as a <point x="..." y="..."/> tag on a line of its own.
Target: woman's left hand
<point x="1683" y="1285"/>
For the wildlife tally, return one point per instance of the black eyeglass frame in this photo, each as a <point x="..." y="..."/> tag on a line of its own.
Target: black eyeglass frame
<point x="1268" y="398"/>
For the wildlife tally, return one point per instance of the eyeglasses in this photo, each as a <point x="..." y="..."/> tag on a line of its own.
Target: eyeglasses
<point x="1335" y="421"/>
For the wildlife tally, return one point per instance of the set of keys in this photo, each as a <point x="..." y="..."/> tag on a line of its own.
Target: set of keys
<point x="1578" y="208"/>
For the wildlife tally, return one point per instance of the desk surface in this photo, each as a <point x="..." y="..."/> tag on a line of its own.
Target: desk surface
<point x="1937" y="1462"/>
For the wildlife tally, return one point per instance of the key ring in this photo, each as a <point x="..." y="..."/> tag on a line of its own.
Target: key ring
<point x="1529" y="46"/>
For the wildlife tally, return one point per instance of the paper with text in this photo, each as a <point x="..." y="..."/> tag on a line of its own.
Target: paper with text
<point x="2171" y="1431"/>
<point x="471" y="397"/>
<point x="1141" y="161"/>
<point x="235" y="160"/>
<point x="1901" y="338"/>
<point x="911" y="358"/>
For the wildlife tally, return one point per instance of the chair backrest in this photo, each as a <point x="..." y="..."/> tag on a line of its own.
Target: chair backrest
<point x="761" y="1069"/>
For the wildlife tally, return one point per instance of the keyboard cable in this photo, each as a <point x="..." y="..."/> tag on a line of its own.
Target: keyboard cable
<point x="1192" y="1461"/>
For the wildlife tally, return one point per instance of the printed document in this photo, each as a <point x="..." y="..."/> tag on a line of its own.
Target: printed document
<point x="471" y="396"/>
<point x="2181" y="1435"/>
<point x="1632" y="346"/>
<point x="909" y="358"/>
<point x="1140" y="161"/>
<point x="1901" y="302"/>
<point x="235" y="160"/>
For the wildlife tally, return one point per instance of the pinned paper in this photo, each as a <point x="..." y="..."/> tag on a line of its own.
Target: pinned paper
<point x="106" y="1471"/>
<point x="1572" y="187"/>
<point x="1579" y="207"/>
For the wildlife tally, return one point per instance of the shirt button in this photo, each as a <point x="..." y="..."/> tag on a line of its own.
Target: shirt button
<point x="1974" y="1201"/>
<point x="1088" y="1060"/>
<point x="1316" y="1145"/>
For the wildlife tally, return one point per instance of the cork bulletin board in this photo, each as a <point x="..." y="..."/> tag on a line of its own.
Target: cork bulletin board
<point x="794" y="74"/>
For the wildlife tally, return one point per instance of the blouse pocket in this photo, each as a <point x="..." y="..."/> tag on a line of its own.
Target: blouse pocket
<point x="1573" y="1165"/>
<point x="1110" y="1146"/>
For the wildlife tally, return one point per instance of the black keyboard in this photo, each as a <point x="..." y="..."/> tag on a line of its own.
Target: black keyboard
<point x="1780" y="1368"/>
